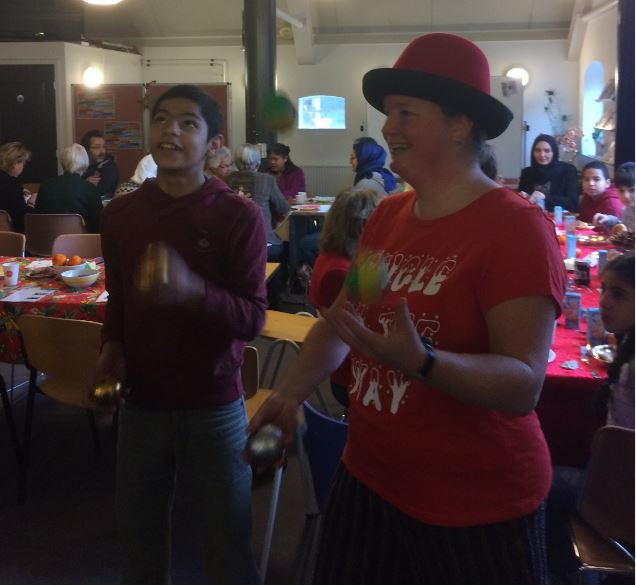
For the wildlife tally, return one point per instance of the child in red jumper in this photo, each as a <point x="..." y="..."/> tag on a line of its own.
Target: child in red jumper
<point x="599" y="196"/>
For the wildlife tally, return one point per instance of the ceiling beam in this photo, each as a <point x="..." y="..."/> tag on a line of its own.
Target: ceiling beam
<point x="303" y="36"/>
<point x="578" y="27"/>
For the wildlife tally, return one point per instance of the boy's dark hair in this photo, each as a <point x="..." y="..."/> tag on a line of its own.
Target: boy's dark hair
<point x="624" y="175"/>
<point x="209" y="107"/>
<point x="598" y="165"/>
<point x="86" y="139"/>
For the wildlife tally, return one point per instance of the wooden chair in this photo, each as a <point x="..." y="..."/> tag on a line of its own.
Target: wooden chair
<point x="602" y="529"/>
<point x="12" y="244"/>
<point x="48" y="341"/>
<point x="41" y="229"/>
<point x="5" y="221"/>
<point x="254" y="397"/>
<point x="84" y="245"/>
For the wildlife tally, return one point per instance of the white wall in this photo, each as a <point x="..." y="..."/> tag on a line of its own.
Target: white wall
<point x="69" y="61"/>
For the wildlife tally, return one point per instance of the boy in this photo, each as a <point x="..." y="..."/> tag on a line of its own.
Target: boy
<point x="624" y="181"/>
<point x="178" y="345"/>
<point x="598" y="194"/>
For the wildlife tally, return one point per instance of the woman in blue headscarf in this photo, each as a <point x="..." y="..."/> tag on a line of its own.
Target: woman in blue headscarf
<point x="367" y="162"/>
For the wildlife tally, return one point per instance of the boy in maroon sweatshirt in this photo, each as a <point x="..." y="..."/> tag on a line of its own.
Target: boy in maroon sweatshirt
<point x="178" y="346"/>
<point x="599" y="196"/>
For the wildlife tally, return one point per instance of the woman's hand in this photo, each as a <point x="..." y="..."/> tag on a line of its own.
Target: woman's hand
<point x="536" y="196"/>
<point x="401" y="348"/>
<point x="278" y="410"/>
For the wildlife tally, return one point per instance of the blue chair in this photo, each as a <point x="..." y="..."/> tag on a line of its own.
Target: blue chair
<point x="324" y="441"/>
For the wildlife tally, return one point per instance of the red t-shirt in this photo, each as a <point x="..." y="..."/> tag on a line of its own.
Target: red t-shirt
<point x="327" y="279"/>
<point x="435" y="458"/>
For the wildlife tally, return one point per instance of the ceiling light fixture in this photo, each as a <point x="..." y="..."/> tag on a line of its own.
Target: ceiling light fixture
<point x="92" y="77"/>
<point x="520" y="73"/>
<point x="102" y="2"/>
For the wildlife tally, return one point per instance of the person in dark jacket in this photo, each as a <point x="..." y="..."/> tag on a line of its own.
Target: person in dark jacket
<point x="69" y="193"/>
<point x="13" y="197"/>
<point x="548" y="176"/>
<point x="102" y="171"/>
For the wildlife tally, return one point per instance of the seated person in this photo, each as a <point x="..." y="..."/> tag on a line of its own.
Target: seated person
<point x="263" y="190"/>
<point x="549" y="178"/>
<point x="598" y="194"/>
<point x="367" y="162"/>
<point x="624" y="182"/>
<point x="14" y="199"/>
<point x="290" y="178"/>
<point x="219" y="164"/>
<point x="146" y="169"/>
<point x="69" y="193"/>
<point x="102" y="171"/>
<point x="338" y="242"/>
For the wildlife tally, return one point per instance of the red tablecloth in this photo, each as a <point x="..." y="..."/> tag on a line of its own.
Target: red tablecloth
<point x="567" y="408"/>
<point x="65" y="302"/>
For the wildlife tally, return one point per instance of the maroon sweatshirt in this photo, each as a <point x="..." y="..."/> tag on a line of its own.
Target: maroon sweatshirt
<point x="609" y="203"/>
<point x="179" y="357"/>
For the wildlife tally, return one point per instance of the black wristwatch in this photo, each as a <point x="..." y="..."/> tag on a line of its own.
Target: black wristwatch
<point x="431" y="357"/>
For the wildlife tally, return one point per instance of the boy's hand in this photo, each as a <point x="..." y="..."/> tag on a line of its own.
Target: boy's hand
<point x="599" y="219"/>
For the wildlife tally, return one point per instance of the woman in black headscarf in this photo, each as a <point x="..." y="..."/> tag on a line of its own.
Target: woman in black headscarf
<point x="549" y="176"/>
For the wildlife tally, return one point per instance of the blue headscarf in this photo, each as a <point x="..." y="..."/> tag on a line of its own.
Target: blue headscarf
<point x="371" y="158"/>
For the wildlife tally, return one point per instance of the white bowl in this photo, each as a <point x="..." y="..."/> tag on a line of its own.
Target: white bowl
<point x="80" y="278"/>
<point x="85" y="264"/>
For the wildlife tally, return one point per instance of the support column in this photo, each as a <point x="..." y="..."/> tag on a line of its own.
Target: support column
<point x="259" y="42"/>
<point x="625" y="90"/>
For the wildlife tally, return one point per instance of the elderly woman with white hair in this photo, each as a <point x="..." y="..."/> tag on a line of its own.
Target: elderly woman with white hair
<point x="219" y="163"/>
<point x="69" y="193"/>
<point x="262" y="188"/>
<point x="146" y="169"/>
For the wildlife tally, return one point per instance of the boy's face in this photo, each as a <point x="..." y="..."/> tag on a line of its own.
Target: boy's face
<point x="626" y="195"/>
<point x="179" y="137"/>
<point x="594" y="183"/>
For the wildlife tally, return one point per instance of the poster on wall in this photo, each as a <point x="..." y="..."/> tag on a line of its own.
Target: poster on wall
<point x="98" y="106"/>
<point x="123" y="135"/>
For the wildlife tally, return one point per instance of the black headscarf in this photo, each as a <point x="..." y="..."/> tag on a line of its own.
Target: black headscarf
<point x="544" y="173"/>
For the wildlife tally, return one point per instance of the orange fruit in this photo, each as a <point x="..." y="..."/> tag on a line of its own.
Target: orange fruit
<point x="75" y="260"/>
<point x="59" y="260"/>
<point x="562" y="239"/>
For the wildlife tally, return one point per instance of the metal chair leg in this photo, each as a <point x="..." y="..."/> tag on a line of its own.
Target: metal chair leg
<point x="269" y="531"/>
<point x="28" y="425"/>
<point x="13" y="432"/>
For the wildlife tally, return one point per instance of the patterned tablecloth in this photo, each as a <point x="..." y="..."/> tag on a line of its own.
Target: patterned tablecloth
<point x="87" y="304"/>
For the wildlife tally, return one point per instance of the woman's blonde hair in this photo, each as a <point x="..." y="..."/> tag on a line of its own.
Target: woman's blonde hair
<point x="74" y="159"/>
<point x="11" y="153"/>
<point x="346" y="219"/>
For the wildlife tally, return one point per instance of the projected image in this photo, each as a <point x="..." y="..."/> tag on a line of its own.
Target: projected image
<point x="321" y="112"/>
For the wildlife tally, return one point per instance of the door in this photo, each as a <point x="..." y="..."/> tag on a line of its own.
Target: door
<point x="27" y="115"/>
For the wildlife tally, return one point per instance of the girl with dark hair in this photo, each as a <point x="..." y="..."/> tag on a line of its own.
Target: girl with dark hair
<point x="367" y="162"/>
<point x="617" y="312"/>
<point x="548" y="176"/>
<point x="290" y="178"/>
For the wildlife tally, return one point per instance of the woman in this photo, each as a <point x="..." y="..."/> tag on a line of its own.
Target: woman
<point x="14" y="199"/>
<point x="290" y="178"/>
<point x="549" y="177"/>
<point x="444" y="450"/>
<point x="219" y="163"/>
<point x="69" y="193"/>
<point x="263" y="190"/>
<point x="146" y="169"/>
<point x="367" y="162"/>
<point x="338" y="242"/>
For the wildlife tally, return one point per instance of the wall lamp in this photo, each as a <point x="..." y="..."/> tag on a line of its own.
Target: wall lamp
<point x="520" y="73"/>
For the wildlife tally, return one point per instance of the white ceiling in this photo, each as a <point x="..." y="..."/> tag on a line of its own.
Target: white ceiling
<point x="141" y="23"/>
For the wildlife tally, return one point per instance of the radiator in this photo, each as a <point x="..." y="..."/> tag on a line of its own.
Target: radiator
<point x="327" y="181"/>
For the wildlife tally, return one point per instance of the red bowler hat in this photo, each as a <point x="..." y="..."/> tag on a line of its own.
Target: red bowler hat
<point x="445" y="69"/>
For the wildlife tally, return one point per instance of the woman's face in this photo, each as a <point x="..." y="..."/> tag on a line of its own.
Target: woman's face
<point x="17" y="168"/>
<point x="543" y="153"/>
<point x="353" y="161"/>
<point x="418" y="134"/>
<point x="224" y="168"/>
<point x="616" y="303"/>
<point x="277" y="162"/>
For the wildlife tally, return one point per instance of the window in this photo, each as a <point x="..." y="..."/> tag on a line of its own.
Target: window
<point x="321" y="112"/>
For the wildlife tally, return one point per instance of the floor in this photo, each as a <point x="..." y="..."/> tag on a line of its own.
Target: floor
<point x="65" y="533"/>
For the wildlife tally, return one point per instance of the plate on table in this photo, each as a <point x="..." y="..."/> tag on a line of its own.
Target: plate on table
<point x="604" y="353"/>
<point x="41" y="272"/>
<point x="324" y="200"/>
<point x="551" y="356"/>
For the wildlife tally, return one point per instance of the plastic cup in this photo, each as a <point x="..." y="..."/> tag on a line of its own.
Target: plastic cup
<point x="558" y="214"/>
<point x="11" y="273"/>
<point x="570" y="242"/>
<point x="301" y="197"/>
